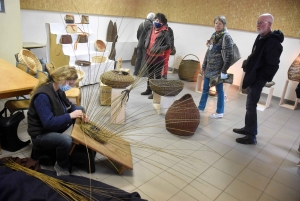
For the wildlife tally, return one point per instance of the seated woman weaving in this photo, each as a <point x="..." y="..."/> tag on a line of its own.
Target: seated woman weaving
<point x="50" y="114"/>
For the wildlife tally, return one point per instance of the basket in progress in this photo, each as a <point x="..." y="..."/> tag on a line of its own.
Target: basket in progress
<point x="105" y="94"/>
<point x="189" y="69"/>
<point x="117" y="79"/>
<point x="29" y="59"/>
<point x="100" y="46"/>
<point x="183" y="117"/>
<point x="166" y="87"/>
<point x="98" y="59"/>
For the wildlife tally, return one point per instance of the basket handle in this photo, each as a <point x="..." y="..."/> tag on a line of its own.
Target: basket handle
<point x="191" y="54"/>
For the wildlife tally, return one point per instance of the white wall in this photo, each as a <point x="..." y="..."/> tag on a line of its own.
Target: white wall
<point x="11" y="37"/>
<point x="189" y="39"/>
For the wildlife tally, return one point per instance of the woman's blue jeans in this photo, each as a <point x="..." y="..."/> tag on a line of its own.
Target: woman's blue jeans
<point x="205" y="91"/>
<point x="62" y="143"/>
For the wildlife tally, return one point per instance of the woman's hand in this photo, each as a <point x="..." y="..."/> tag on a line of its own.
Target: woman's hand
<point x="79" y="114"/>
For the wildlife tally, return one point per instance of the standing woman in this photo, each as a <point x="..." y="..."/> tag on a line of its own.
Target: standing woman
<point x="214" y="65"/>
<point x="50" y="114"/>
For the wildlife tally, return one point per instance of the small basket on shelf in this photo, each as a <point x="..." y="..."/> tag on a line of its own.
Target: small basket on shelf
<point x="166" y="87"/>
<point x="117" y="79"/>
<point x="100" y="46"/>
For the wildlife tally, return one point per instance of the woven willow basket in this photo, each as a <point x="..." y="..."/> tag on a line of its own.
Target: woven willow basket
<point x="109" y="33"/>
<point x="189" y="69"/>
<point x="117" y="79"/>
<point x="105" y="94"/>
<point x="294" y="70"/>
<point x="100" y="46"/>
<point x="183" y="117"/>
<point x="81" y="75"/>
<point x="29" y="59"/>
<point x="166" y="87"/>
<point x="98" y="59"/>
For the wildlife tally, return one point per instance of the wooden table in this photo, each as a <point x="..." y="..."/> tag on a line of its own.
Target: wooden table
<point x="14" y="82"/>
<point x="32" y="45"/>
<point x="115" y="149"/>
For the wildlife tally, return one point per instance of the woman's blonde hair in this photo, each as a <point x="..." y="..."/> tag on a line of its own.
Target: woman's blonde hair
<point x="57" y="75"/>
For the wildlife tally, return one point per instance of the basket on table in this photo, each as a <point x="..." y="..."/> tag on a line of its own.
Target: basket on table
<point x="29" y="59"/>
<point x="166" y="87"/>
<point x="189" y="69"/>
<point x="100" y="46"/>
<point x="183" y="117"/>
<point x="117" y="79"/>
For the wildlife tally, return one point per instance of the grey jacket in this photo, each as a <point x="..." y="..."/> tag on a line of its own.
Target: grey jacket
<point x="142" y="32"/>
<point x="213" y="63"/>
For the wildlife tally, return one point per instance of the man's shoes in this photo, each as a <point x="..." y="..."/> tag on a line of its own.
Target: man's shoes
<point x="216" y="115"/>
<point x="246" y="140"/>
<point x="150" y="97"/>
<point x="240" y="131"/>
<point x="147" y="92"/>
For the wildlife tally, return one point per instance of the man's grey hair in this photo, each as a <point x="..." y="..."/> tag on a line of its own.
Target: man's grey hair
<point x="221" y="18"/>
<point x="269" y="16"/>
<point x="151" y="16"/>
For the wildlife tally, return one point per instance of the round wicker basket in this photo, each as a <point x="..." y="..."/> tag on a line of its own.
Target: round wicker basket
<point x="100" y="45"/>
<point x="80" y="76"/>
<point x="189" y="69"/>
<point x="166" y="87"/>
<point x="117" y="79"/>
<point x="183" y="117"/>
<point x="29" y="59"/>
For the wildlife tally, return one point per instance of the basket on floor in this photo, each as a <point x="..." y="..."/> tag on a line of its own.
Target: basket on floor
<point x="105" y="94"/>
<point x="29" y="59"/>
<point x="189" y="69"/>
<point x="166" y="87"/>
<point x="183" y="117"/>
<point x="117" y="79"/>
<point x="100" y="46"/>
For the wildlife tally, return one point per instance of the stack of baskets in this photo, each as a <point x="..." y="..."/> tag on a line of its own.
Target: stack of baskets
<point x="27" y="58"/>
<point x="117" y="79"/>
<point x="189" y="69"/>
<point x="183" y="117"/>
<point x="166" y="87"/>
<point x="105" y="94"/>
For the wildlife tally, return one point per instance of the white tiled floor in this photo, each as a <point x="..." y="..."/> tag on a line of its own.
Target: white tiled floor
<point x="214" y="166"/>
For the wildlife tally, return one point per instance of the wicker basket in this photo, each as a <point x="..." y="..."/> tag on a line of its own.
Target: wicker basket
<point x="105" y="94"/>
<point x="117" y="79"/>
<point x="98" y="59"/>
<point x="29" y="59"/>
<point x="183" y="117"/>
<point x="81" y="75"/>
<point x="294" y="70"/>
<point x="100" y="46"/>
<point x="166" y="87"/>
<point x="189" y="69"/>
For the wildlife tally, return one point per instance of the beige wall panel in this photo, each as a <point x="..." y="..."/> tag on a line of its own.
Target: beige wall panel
<point x="240" y="14"/>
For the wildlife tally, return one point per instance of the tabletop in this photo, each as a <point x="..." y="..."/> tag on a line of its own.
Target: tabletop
<point x="32" y="45"/>
<point x="13" y="81"/>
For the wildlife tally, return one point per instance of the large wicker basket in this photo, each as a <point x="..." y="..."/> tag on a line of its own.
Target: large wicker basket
<point x="117" y="79"/>
<point x="29" y="59"/>
<point x="183" y="117"/>
<point x="166" y="87"/>
<point x="294" y="70"/>
<point x="105" y="94"/>
<point x="100" y="46"/>
<point x="189" y="69"/>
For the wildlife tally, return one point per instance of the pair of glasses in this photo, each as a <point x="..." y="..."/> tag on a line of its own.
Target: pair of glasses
<point x="260" y="22"/>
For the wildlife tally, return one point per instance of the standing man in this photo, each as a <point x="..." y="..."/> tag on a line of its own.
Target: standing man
<point x="141" y="35"/>
<point x="260" y="68"/>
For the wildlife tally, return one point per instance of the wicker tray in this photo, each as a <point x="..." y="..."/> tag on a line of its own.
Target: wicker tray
<point x="117" y="79"/>
<point x="100" y="46"/>
<point x="166" y="87"/>
<point x="29" y="59"/>
<point x="98" y="59"/>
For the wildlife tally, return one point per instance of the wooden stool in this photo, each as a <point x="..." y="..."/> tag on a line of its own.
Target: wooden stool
<point x="281" y="103"/>
<point x="162" y="103"/>
<point x="74" y="96"/>
<point x="199" y="83"/>
<point x="117" y="114"/>
<point x="262" y="107"/>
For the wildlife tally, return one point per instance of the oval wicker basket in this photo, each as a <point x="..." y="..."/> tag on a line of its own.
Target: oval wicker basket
<point x="189" y="69"/>
<point x="117" y="79"/>
<point x="29" y="59"/>
<point x="100" y="45"/>
<point x="81" y="75"/>
<point x="166" y="87"/>
<point x="98" y="59"/>
<point x="294" y="70"/>
<point x="183" y="117"/>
